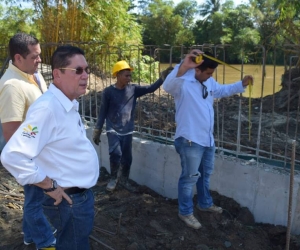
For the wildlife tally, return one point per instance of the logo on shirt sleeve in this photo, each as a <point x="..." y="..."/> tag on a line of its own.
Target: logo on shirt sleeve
<point x="29" y="131"/>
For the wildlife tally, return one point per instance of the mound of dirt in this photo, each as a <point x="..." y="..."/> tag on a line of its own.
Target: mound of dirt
<point x="135" y="218"/>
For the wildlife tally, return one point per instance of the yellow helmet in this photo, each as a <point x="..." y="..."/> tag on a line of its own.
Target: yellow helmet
<point x="120" y="65"/>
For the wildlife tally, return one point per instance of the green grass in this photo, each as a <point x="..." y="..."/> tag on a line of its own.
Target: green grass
<point x="225" y="74"/>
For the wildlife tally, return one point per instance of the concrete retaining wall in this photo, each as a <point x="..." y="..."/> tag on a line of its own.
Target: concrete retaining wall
<point x="263" y="189"/>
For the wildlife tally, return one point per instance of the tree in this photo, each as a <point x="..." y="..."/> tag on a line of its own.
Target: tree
<point x="289" y="20"/>
<point x="187" y="9"/>
<point x="232" y="26"/>
<point x="86" y="20"/>
<point x="161" y="25"/>
<point x="244" y="35"/>
<point x="13" y="20"/>
<point x="210" y="7"/>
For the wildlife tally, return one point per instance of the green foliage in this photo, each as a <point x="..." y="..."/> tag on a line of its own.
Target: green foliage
<point x="165" y="22"/>
<point x="210" y="7"/>
<point x="13" y="20"/>
<point x="145" y="70"/>
<point x="288" y="20"/>
<point x="265" y="15"/>
<point x="229" y="25"/>
<point x="109" y="21"/>
<point x="187" y="9"/>
<point x="84" y="20"/>
<point x="185" y="37"/>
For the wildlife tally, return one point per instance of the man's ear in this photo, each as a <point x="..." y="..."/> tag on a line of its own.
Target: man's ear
<point x="18" y="58"/>
<point x="56" y="74"/>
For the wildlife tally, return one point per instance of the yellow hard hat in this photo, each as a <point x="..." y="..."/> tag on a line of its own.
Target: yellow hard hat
<point x="120" y="65"/>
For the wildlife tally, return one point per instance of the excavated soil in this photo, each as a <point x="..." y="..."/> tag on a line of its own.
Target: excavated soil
<point x="136" y="218"/>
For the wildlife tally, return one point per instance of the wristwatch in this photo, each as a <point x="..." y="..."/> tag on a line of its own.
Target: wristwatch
<point x="54" y="186"/>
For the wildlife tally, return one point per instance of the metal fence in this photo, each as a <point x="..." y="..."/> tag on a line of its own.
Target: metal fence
<point x="261" y="128"/>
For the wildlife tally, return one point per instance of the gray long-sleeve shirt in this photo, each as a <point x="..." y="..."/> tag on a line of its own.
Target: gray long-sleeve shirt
<point x="118" y="105"/>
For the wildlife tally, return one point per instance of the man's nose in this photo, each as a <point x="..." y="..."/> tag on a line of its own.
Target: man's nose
<point x="39" y="59"/>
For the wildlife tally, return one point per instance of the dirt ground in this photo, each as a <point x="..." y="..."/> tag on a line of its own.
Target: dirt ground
<point x="137" y="218"/>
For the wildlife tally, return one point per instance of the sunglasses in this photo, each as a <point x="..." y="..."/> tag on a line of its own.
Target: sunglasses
<point x="79" y="71"/>
<point x="204" y="91"/>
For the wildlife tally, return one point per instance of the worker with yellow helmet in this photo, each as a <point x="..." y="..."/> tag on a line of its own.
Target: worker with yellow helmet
<point x="117" y="110"/>
<point x="119" y="66"/>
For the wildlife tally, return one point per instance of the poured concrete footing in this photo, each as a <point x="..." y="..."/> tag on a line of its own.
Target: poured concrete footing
<point x="262" y="188"/>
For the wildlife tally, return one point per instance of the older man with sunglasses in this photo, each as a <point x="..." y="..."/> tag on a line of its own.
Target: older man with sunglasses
<point x="20" y="86"/>
<point x="194" y="90"/>
<point x="51" y="151"/>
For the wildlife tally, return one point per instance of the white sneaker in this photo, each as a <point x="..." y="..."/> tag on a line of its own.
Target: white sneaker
<point x="212" y="209"/>
<point x="111" y="185"/>
<point x="27" y="243"/>
<point x="31" y="242"/>
<point x="190" y="221"/>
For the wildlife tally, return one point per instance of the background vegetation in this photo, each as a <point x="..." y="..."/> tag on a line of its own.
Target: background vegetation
<point x="161" y="23"/>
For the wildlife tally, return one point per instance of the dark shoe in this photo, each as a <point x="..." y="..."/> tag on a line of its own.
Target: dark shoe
<point x="123" y="180"/>
<point x="126" y="184"/>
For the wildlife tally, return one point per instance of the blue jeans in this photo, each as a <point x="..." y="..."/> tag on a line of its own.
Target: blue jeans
<point x="36" y="227"/>
<point x="74" y="222"/>
<point x="197" y="163"/>
<point x="120" y="150"/>
<point x="2" y="140"/>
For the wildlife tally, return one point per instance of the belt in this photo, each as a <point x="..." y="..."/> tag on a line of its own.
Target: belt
<point x="74" y="190"/>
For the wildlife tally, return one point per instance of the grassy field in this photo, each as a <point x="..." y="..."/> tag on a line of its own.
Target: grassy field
<point x="271" y="84"/>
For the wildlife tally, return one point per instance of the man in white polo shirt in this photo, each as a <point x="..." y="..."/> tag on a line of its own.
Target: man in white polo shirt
<point x="20" y="86"/>
<point x="50" y="150"/>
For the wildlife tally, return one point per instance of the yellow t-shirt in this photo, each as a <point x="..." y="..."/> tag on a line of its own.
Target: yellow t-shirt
<point x="18" y="91"/>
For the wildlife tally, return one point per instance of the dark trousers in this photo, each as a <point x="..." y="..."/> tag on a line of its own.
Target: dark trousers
<point x="120" y="151"/>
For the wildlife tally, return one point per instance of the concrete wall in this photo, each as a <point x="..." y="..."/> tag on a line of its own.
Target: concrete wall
<point x="263" y="189"/>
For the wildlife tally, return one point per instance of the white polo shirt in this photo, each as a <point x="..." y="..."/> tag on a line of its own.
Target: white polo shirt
<point x="52" y="142"/>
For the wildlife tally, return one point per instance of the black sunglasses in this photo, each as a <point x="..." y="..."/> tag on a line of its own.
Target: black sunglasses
<point x="79" y="71"/>
<point x="204" y="91"/>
